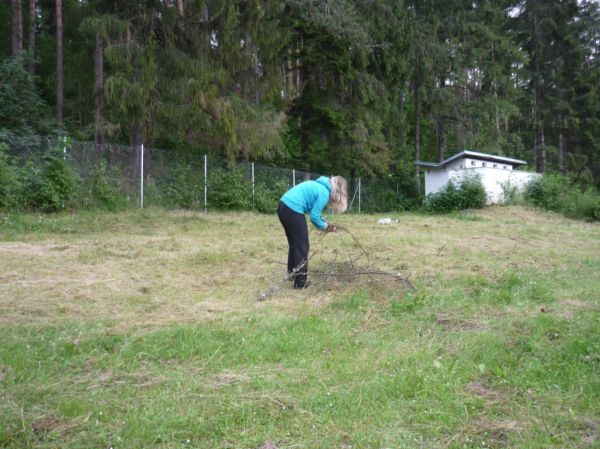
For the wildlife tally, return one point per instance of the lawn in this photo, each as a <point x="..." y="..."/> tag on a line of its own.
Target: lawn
<point x="142" y="329"/>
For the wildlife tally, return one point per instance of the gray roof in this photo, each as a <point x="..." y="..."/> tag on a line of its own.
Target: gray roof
<point x="473" y="155"/>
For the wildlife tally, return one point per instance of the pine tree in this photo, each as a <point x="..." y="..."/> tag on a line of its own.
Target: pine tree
<point x="31" y="46"/>
<point x="59" y="64"/>
<point x="17" y="27"/>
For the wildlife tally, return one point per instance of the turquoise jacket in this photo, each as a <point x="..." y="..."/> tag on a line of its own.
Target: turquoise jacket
<point x="310" y="197"/>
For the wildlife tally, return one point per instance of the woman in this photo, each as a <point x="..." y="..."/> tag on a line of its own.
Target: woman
<point x="308" y="197"/>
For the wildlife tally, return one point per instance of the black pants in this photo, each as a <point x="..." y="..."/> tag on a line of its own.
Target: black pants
<point x="296" y="232"/>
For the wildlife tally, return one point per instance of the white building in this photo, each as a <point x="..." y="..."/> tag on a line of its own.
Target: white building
<point x="496" y="173"/>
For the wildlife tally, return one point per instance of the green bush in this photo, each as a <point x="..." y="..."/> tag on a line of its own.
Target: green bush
<point x="10" y="182"/>
<point x="228" y="190"/>
<point x="186" y="190"/>
<point x="384" y="200"/>
<point x="104" y="192"/>
<point x="558" y="194"/>
<point x="511" y="194"/>
<point x="587" y="206"/>
<point x="469" y="194"/>
<point x="266" y="198"/>
<point x="547" y="191"/>
<point x="54" y="185"/>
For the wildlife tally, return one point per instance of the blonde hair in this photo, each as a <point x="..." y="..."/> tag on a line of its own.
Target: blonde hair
<point x="338" y="198"/>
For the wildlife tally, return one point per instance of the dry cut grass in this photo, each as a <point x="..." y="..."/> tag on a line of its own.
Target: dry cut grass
<point x="149" y="268"/>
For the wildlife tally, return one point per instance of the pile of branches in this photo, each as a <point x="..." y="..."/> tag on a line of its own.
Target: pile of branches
<point x="351" y="268"/>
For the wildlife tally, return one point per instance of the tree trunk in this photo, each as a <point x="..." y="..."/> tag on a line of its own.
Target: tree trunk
<point x="495" y="89"/>
<point x="540" y="153"/>
<point x="180" y="7"/>
<point x="417" y="136"/>
<point x="402" y="121"/>
<point x="32" y="23"/>
<point x="540" y="150"/>
<point x="304" y="135"/>
<point x="562" y="151"/>
<point x="59" y="64"/>
<point x="17" y="28"/>
<point x="299" y="76"/>
<point x="99" y="92"/>
<point x="441" y="130"/>
<point x="289" y="80"/>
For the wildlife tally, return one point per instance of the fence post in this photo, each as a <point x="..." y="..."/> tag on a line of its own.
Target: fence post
<point x="359" y="195"/>
<point x="141" y="176"/>
<point x="253" y="184"/>
<point x="293" y="177"/>
<point x="205" y="183"/>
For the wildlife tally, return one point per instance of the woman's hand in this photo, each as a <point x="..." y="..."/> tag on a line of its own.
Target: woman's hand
<point x="331" y="228"/>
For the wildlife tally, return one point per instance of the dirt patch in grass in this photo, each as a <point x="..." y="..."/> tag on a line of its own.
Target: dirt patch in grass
<point x="142" y="378"/>
<point x="453" y="322"/>
<point x="226" y="379"/>
<point x="590" y="429"/>
<point x="489" y="394"/>
<point x="49" y="424"/>
<point x="489" y="432"/>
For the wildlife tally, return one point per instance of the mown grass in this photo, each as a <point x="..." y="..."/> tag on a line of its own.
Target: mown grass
<point x="142" y="329"/>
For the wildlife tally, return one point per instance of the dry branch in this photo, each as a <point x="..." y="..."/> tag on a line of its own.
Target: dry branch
<point x="348" y="270"/>
<point x="395" y="276"/>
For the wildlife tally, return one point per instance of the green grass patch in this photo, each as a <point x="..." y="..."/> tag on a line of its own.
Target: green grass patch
<point x="141" y="329"/>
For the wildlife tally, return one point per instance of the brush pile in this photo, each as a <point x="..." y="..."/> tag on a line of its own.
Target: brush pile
<point x="350" y="266"/>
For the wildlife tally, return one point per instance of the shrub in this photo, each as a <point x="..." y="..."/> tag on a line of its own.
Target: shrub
<point x="186" y="190"/>
<point x="54" y="185"/>
<point x="547" y="191"/>
<point x="556" y="193"/>
<point x="470" y="194"/>
<point x="587" y="206"/>
<point x="511" y="194"/>
<point x="266" y="198"/>
<point x="228" y="190"/>
<point x="385" y="200"/>
<point x="10" y="182"/>
<point x="104" y="192"/>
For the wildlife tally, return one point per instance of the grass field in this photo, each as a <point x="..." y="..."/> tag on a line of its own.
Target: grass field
<point x="143" y="330"/>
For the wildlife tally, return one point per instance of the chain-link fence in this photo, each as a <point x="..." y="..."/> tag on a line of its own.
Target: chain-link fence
<point x="146" y="176"/>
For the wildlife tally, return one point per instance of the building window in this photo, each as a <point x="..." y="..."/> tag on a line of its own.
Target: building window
<point x="428" y="170"/>
<point x="505" y="167"/>
<point x="483" y="164"/>
<point x="461" y="165"/>
<point x="472" y="162"/>
<point x="495" y="165"/>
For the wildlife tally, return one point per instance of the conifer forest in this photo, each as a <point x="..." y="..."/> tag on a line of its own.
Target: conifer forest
<point x="355" y="87"/>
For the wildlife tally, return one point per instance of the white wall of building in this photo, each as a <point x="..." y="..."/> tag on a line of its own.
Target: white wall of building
<point x="435" y="179"/>
<point x="493" y="178"/>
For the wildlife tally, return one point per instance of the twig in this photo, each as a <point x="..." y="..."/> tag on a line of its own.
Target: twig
<point x="398" y="277"/>
<point x="353" y="271"/>
<point x="277" y="286"/>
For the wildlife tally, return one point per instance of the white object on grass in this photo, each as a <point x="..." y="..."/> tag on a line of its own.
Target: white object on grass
<point x="387" y="221"/>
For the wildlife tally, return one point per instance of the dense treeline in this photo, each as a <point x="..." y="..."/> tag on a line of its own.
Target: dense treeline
<point x="357" y="87"/>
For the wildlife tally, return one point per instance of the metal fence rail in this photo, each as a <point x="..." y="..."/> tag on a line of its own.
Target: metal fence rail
<point x="149" y="176"/>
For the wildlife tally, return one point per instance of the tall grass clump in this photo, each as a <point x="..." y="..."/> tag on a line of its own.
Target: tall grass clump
<point x="468" y="194"/>
<point x="559" y="194"/>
